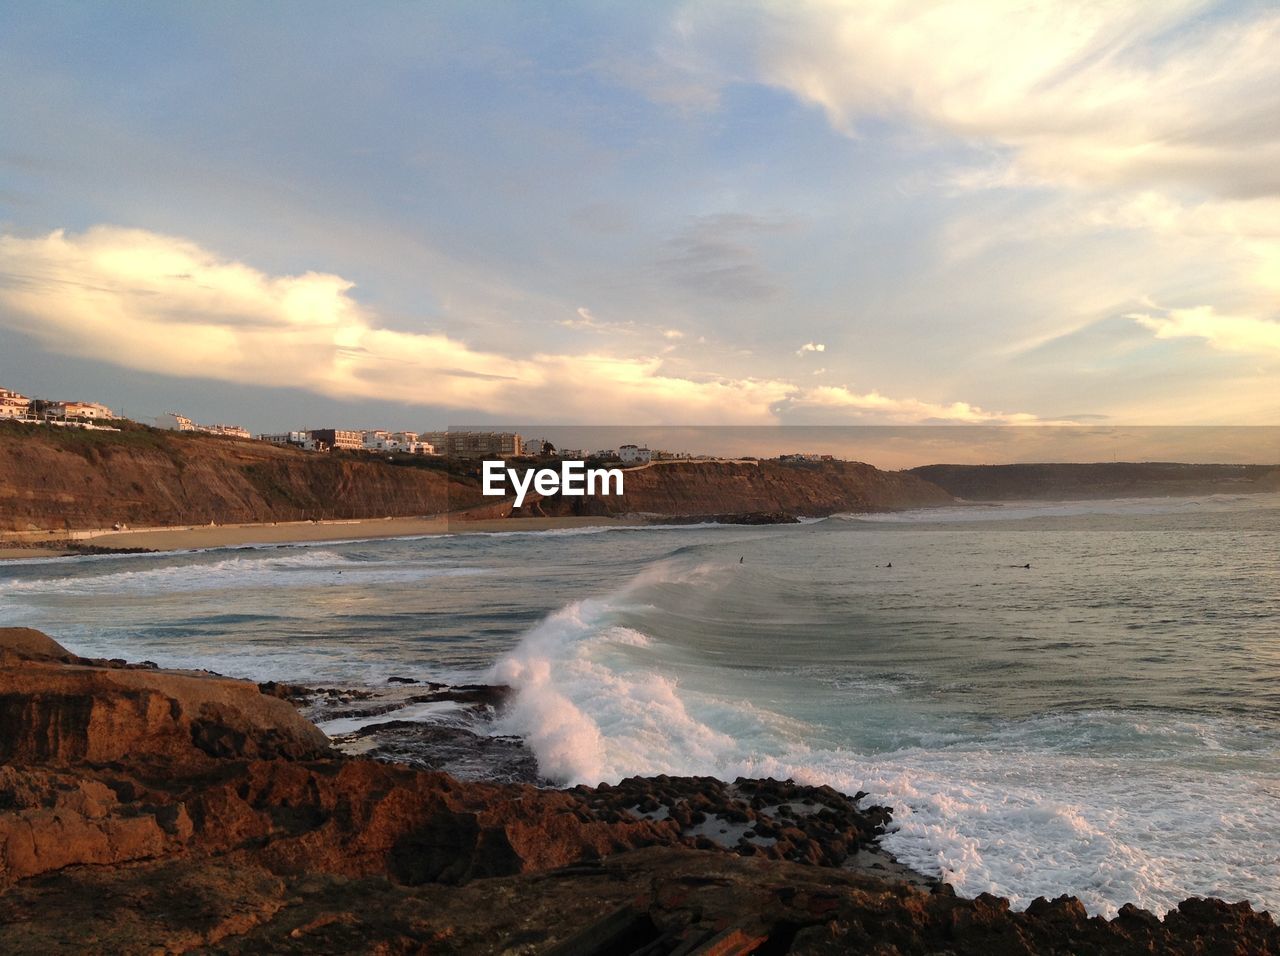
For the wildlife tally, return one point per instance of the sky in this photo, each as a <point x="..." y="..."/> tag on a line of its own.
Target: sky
<point x="412" y="215"/>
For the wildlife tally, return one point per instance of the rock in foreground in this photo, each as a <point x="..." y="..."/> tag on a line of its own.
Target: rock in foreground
<point x="149" y="811"/>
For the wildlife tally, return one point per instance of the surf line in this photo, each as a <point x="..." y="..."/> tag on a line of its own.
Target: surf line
<point x="572" y="478"/>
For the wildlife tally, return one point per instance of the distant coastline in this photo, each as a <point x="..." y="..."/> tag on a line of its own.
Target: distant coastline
<point x="75" y="492"/>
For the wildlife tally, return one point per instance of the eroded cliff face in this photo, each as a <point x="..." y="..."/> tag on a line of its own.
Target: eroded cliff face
<point x="804" y="489"/>
<point x="68" y="479"/>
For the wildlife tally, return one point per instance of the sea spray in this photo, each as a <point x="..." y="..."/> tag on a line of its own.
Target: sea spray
<point x="587" y="717"/>
<point x="1114" y="806"/>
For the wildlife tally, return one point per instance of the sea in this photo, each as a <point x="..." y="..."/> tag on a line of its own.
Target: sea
<point x="1077" y="697"/>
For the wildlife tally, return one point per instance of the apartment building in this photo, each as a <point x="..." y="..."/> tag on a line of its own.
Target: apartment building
<point x="344" y="439"/>
<point x="475" y="444"/>
<point x="298" y="439"/>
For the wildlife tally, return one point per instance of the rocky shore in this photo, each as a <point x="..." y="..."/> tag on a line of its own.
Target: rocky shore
<point x="153" y="811"/>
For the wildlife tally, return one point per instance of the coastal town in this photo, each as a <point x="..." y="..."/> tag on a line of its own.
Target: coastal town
<point x="449" y="443"/>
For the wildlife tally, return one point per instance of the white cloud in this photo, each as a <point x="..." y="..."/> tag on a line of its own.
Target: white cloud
<point x="1074" y="92"/>
<point x="162" y="304"/>
<point x="846" y="404"/>
<point x="1231" y="333"/>
<point x="811" y="347"/>
<point x="587" y="320"/>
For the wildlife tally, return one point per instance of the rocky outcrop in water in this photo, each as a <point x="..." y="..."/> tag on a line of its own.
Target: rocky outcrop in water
<point x="147" y="811"/>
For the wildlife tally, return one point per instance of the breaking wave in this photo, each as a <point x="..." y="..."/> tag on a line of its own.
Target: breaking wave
<point x="1114" y="806"/>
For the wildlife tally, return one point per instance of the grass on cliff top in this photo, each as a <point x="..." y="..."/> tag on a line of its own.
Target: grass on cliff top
<point x="178" y="445"/>
<point x="130" y="435"/>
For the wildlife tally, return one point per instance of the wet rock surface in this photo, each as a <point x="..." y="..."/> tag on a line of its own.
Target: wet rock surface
<point x="462" y="753"/>
<point x="147" y="811"/>
<point x="426" y="725"/>
<point x="770" y="819"/>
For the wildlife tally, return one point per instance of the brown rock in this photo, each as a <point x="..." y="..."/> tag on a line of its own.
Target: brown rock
<point x="28" y="644"/>
<point x="59" y="713"/>
<point x="206" y="830"/>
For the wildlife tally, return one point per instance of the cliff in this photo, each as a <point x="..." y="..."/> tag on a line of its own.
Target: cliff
<point x="67" y="479"/>
<point x="1068" y="481"/>
<point x="724" y="488"/>
<point x="146" y="811"/>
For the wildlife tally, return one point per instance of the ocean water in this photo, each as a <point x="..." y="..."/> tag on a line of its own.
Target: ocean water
<point x="1104" y="723"/>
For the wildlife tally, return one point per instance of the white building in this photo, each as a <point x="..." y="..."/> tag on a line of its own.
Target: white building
<point x="634" y="454"/>
<point x="297" y="439"/>
<point x="403" y="442"/>
<point x="13" y="405"/>
<point x="175" y="422"/>
<point x="80" y="410"/>
<point x="233" y="431"/>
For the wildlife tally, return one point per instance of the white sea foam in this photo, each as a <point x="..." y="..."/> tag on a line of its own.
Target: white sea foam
<point x="591" y="716"/>
<point x="428" y="711"/>
<point x="1142" y="807"/>
<point x="260" y="569"/>
<point x="596" y="529"/>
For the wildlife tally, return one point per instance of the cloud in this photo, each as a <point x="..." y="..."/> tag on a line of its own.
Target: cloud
<point x="811" y="347"/>
<point x="838" y="402"/>
<point x="586" y="320"/>
<point x="1067" y="92"/>
<point x="716" y="257"/>
<point x="162" y="304"/>
<point x="1230" y="333"/>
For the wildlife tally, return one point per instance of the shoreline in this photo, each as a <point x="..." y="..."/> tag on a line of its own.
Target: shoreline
<point x="47" y="544"/>
<point x="225" y="821"/>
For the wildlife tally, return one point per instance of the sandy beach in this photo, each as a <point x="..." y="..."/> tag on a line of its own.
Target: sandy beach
<point x="18" y="545"/>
